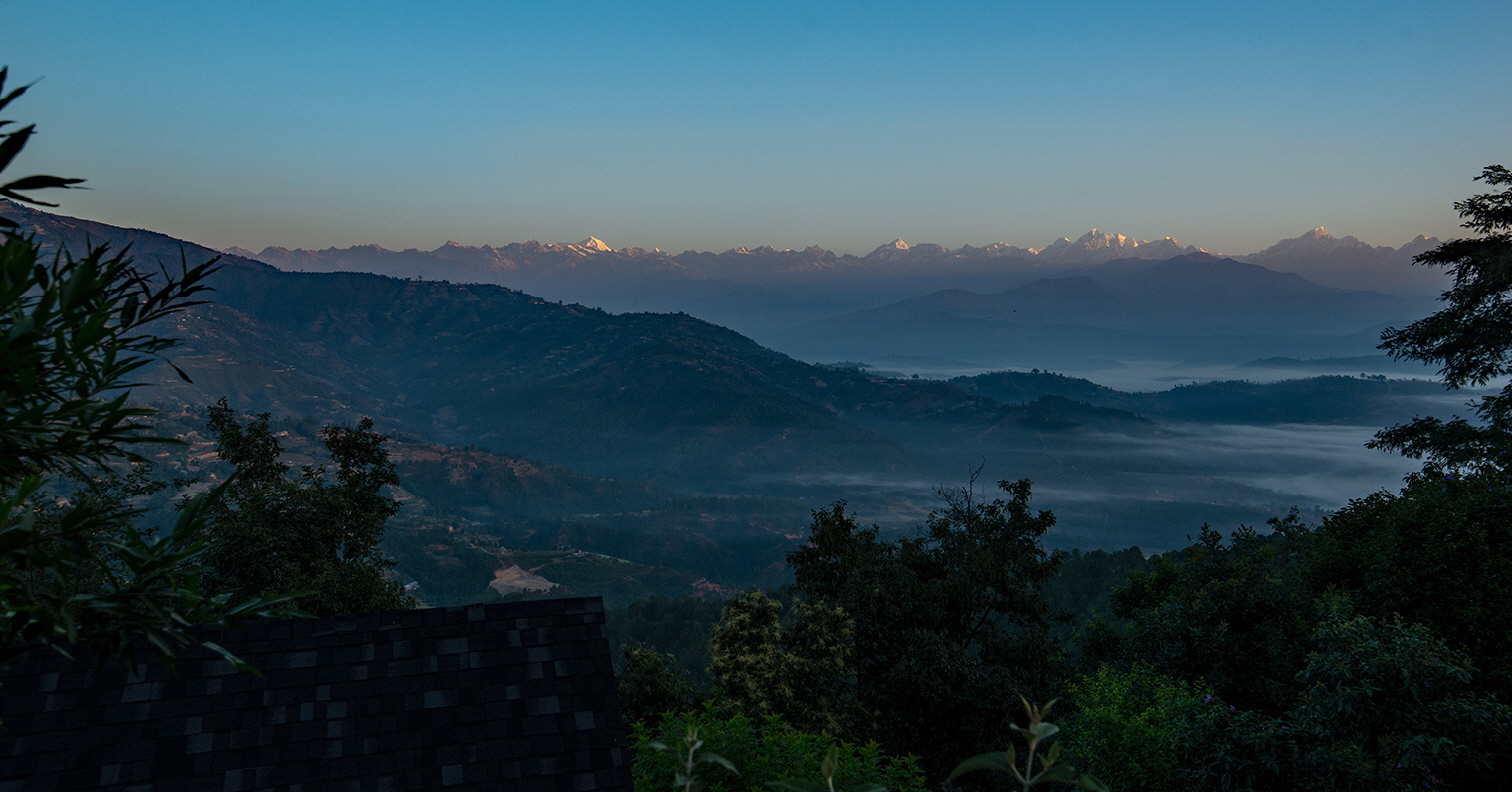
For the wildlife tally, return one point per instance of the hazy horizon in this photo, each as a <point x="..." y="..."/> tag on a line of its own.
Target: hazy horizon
<point x="685" y="127"/>
<point x="859" y="252"/>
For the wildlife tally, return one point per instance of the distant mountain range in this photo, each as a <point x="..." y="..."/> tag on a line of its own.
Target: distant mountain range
<point x="1194" y="306"/>
<point x="697" y="408"/>
<point x="690" y="455"/>
<point x="764" y="292"/>
<point x="1349" y="263"/>
<point x="1330" y="399"/>
<point x="665" y="397"/>
<point x="1192" y="290"/>
<point x="1340" y="262"/>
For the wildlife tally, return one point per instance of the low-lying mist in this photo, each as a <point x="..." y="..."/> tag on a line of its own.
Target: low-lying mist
<point x="1151" y="485"/>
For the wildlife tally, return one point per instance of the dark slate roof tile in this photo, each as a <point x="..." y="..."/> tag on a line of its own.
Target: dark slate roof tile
<point x="329" y="712"/>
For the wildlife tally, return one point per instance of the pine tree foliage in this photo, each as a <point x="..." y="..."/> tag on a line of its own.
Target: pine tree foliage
<point x="1470" y="338"/>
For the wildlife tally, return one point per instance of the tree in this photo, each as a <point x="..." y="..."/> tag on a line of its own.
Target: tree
<point x="651" y="686"/>
<point x="751" y="671"/>
<point x="271" y="533"/>
<point x="1439" y="554"/>
<point x="677" y="627"/>
<point x="75" y="333"/>
<point x="72" y="332"/>
<point x="799" y="673"/>
<point x="1126" y="724"/>
<point x="1235" y="616"/>
<point x="1387" y="700"/>
<point x="1471" y="338"/>
<point x="949" y="625"/>
<point x="1381" y="705"/>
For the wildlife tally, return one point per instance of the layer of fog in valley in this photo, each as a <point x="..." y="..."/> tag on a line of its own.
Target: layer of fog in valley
<point x="1148" y="375"/>
<point x="1149" y="488"/>
<point x="1325" y="465"/>
<point x="1144" y="397"/>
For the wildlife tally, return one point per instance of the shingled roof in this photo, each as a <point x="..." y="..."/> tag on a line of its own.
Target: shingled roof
<point x="511" y="696"/>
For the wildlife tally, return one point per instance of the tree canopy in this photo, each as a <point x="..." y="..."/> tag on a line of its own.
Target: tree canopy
<point x="271" y="533"/>
<point x="941" y="631"/>
<point x="1470" y="338"/>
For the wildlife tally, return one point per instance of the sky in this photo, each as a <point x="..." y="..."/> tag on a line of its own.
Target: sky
<point x="712" y="125"/>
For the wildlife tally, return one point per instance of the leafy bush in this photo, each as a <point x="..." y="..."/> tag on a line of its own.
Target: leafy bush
<point x="763" y="751"/>
<point x="1438" y="554"/>
<point x="1124" y="730"/>
<point x="1234" y="614"/>
<point x="651" y="685"/>
<point x="1385" y="706"/>
<point x="1038" y="768"/>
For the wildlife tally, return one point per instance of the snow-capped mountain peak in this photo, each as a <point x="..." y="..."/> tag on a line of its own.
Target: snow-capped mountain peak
<point x="892" y="249"/>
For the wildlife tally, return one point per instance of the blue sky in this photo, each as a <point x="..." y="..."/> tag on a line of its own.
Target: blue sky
<point x="712" y="125"/>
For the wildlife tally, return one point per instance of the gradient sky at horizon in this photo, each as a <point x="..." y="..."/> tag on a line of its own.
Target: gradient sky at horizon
<point x="713" y="125"/>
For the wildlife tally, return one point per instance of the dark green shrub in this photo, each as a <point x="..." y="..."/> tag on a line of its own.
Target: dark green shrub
<point x="1040" y="765"/>
<point x="1384" y="706"/>
<point x="651" y="685"/>
<point x="1125" y="728"/>
<point x="763" y="751"/>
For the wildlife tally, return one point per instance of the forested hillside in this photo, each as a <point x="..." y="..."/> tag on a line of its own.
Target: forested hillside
<point x="656" y="395"/>
<point x="1331" y="399"/>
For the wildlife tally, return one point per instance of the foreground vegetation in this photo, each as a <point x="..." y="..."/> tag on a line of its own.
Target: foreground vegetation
<point x="76" y="568"/>
<point x="1371" y="651"/>
<point x="1310" y="657"/>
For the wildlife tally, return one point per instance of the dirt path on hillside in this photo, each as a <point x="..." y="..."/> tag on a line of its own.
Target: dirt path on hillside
<point x="512" y="580"/>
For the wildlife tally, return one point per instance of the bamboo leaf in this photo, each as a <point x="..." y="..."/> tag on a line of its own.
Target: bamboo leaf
<point x="42" y="183"/>
<point x="714" y="758"/>
<point x="1044" y="730"/>
<point x="830" y="764"/>
<point x="1091" y="784"/>
<point x="12" y="144"/>
<point x="995" y="761"/>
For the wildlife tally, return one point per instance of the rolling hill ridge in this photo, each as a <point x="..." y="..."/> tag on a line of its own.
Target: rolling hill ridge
<point x="665" y="397"/>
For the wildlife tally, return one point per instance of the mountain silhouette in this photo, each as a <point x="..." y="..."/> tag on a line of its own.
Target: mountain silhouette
<point x="655" y="396"/>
